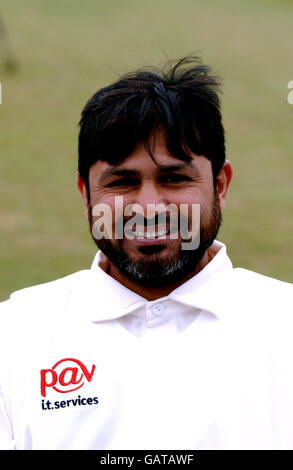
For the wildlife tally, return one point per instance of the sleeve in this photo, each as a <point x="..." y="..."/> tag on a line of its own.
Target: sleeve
<point x="6" y="436"/>
<point x="6" y="433"/>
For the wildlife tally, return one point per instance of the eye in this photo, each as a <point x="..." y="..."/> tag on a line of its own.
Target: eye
<point x="175" y="178"/>
<point x="123" y="182"/>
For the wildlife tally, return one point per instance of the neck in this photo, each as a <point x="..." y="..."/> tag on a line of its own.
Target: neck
<point x="150" y="293"/>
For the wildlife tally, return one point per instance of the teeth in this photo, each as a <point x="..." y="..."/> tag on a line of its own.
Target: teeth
<point x="152" y="234"/>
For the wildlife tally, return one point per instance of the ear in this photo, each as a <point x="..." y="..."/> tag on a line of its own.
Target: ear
<point x="223" y="181"/>
<point x="83" y="191"/>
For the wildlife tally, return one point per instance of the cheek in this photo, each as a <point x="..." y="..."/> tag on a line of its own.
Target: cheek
<point x="100" y="201"/>
<point x="101" y="216"/>
<point x="201" y="204"/>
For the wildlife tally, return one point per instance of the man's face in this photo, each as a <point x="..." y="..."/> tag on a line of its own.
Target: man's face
<point x="148" y="259"/>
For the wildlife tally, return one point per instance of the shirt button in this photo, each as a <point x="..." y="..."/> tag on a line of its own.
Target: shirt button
<point x="158" y="309"/>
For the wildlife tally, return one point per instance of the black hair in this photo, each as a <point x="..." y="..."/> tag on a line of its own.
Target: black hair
<point x="183" y="101"/>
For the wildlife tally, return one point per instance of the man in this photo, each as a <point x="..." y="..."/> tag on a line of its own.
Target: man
<point x="162" y="344"/>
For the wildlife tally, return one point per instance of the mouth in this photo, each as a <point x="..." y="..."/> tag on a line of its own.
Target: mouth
<point x="151" y="235"/>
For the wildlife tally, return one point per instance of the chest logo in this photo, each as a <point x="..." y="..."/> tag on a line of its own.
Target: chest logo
<point x="65" y="376"/>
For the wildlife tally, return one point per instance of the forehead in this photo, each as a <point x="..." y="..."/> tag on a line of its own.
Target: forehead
<point x="140" y="161"/>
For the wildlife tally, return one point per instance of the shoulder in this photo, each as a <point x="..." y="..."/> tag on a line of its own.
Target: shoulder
<point x="262" y="298"/>
<point x="31" y="301"/>
<point x="256" y="282"/>
<point x="33" y="317"/>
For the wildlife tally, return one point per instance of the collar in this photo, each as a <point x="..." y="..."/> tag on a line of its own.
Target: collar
<point x="106" y="299"/>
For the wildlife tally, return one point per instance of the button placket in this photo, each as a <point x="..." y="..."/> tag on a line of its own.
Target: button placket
<point x="158" y="309"/>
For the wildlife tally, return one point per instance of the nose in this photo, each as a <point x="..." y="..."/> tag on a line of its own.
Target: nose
<point x="150" y="199"/>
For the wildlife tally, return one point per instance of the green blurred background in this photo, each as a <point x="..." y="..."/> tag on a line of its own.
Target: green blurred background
<point x="67" y="49"/>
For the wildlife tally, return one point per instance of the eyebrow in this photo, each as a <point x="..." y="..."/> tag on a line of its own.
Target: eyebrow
<point x="109" y="172"/>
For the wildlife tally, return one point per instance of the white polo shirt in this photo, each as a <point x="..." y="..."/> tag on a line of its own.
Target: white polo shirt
<point x="85" y="363"/>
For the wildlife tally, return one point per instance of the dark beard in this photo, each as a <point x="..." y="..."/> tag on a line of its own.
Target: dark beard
<point x="154" y="272"/>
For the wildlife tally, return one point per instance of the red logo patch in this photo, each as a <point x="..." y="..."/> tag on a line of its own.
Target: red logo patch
<point x="65" y="376"/>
